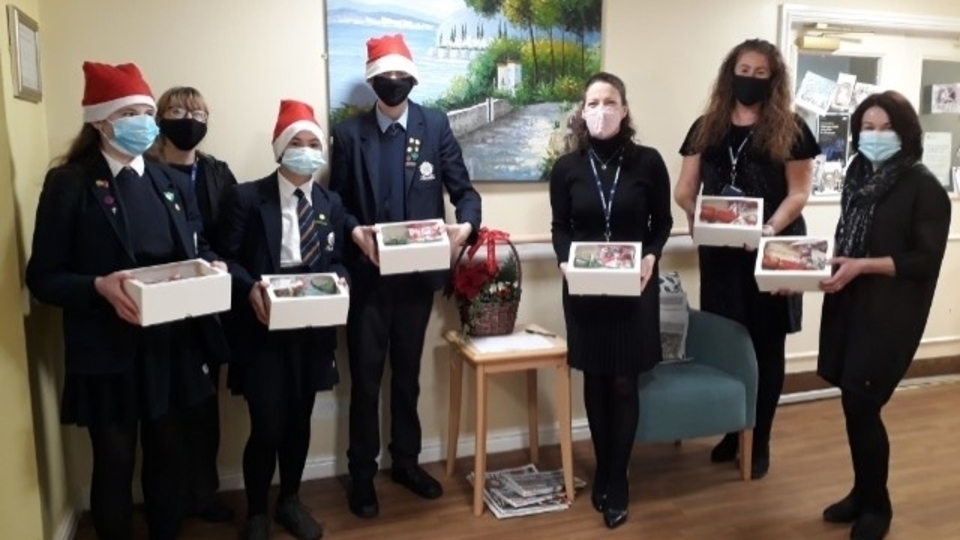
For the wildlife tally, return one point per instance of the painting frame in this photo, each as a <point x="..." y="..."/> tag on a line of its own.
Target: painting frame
<point x="509" y="84"/>
<point x="24" y="34"/>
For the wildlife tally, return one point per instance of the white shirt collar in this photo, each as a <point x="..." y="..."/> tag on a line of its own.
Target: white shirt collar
<point x="116" y="166"/>
<point x="384" y="121"/>
<point x="287" y="188"/>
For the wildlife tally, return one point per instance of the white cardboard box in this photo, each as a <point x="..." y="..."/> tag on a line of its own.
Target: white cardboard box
<point x="315" y="308"/>
<point x="604" y="268"/>
<point x="413" y="246"/>
<point x="175" y="291"/>
<point x="793" y="263"/>
<point x="728" y="221"/>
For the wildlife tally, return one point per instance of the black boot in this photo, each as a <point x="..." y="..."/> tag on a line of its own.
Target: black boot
<point x="846" y="510"/>
<point x="726" y="449"/>
<point x="870" y="526"/>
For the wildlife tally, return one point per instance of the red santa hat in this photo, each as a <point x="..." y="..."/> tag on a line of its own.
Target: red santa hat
<point x="294" y="117"/>
<point x="389" y="53"/>
<point x="110" y="88"/>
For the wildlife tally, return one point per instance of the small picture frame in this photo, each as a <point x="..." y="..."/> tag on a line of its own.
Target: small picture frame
<point x="25" y="55"/>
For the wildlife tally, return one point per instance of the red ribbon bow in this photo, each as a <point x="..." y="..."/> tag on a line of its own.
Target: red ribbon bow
<point x="490" y="238"/>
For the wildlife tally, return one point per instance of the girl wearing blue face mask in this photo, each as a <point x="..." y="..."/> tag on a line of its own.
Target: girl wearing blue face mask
<point x="284" y="223"/>
<point x="103" y="211"/>
<point x="890" y="242"/>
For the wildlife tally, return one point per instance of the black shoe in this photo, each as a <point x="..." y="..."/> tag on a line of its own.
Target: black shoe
<point x="846" y="510"/>
<point x="598" y="500"/>
<point x="759" y="467"/>
<point x="214" y="512"/>
<point x="362" y="499"/>
<point x="293" y="516"/>
<point x="417" y="480"/>
<point x="257" y="528"/>
<point x="726" y="449"/>
<point x="870" y="526"/>
<point x="614" y="518"/>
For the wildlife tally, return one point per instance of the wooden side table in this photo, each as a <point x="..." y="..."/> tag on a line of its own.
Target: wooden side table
<point x="554" y="357"/>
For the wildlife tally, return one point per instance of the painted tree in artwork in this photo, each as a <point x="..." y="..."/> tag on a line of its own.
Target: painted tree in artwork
<point x="580" y="17"/>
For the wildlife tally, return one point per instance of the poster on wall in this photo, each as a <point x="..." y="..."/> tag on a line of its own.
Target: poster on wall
<point x="833" y="135"/>
<point x="815" y="93"/>
<point x="937" y="154"/>
<point x="507" y="75"/>
<point x="945" y="98"/>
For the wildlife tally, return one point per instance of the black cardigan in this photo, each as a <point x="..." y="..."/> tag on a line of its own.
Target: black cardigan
<point x="870" y="330"/>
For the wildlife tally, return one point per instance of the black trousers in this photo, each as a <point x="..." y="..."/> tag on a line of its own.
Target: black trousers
<point x="389" y="316"/>
<point x="202" y="430"/>
<point x="869" y="450"/>
<point x="161" y="476"/>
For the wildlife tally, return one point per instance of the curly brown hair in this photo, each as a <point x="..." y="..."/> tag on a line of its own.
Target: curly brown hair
<point x="776" y="128"/>
<point x="579" y="137"/>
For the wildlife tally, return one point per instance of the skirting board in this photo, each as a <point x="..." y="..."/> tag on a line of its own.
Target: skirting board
<point x="501" y="440"/>
<point x="68" y="525"/>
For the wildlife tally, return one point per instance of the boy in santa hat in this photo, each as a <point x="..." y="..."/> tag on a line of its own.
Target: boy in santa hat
<point x="284" y="223"/>
<point x="103" y="211"/>
<point x="390" y="164"/>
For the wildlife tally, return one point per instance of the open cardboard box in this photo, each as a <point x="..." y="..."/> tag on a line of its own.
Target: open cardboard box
<point x="175" y="291"/>
<point x="728" y="221"/>
<point x="306" y="301"/>
<point x="413" y="246"/>
<point x="793" y="263"/>
<point x="604" y="268"/>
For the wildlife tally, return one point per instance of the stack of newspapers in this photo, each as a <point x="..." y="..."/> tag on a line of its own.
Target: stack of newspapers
<point x="524" y="491"/>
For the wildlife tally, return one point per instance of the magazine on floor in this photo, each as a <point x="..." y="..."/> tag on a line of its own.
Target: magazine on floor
<point x="524" y="491"/>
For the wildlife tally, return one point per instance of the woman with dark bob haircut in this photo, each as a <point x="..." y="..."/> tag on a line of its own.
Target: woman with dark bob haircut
<point x="890" y="241"/>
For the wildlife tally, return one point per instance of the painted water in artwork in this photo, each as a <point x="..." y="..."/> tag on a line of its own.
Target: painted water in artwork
<point x="508" y="73"/>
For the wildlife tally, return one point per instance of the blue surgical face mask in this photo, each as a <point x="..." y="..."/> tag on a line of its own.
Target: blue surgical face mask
<point x="303" y="160"/>
<point x="879" y="146"/>
<point x="133" y="135"/>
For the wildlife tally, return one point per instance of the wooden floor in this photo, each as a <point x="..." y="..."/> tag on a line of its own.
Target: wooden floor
<point x="678" y="494"/>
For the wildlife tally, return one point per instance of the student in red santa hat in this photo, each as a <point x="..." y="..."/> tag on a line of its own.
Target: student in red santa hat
<point x="103" y="211"/>
<point x="391" y="164"/>
<point x="285" y="223"/>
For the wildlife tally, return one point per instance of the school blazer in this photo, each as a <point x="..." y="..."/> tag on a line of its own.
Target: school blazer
<point x="78" y="237"/>
<point x="355" y="175"/>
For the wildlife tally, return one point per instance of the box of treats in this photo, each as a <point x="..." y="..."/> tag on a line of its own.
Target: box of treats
<point x="413" y="246"/>
<point x="306" y="301"/>
<point x="604" y="268"/>
<point x="793" y="263"/>
<point x="728" y="221"/>
<point x="176" y="291"/>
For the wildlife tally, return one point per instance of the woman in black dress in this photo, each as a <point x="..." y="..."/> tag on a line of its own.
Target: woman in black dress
<point x="749" y="143"/>
<point x="182" y="116"/>
<point x="611" y="189"/>
<point x="890" y="242"/>
<point x="104" y="210"/>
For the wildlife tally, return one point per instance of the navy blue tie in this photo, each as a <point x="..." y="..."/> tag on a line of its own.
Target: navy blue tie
<point x="309" y="235"/>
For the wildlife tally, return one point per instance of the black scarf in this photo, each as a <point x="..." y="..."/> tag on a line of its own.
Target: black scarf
<point x="863" y="188"/>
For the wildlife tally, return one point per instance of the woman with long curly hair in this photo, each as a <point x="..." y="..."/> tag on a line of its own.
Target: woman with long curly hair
<point x="749" y="142"/>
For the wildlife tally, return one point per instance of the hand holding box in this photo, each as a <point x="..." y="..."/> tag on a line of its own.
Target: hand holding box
<point x="306" y="301"/>
<point x="175" y="291"/>
<point x="604" y="268"/>
<point x="413" y="246"/>
<point x="793" y="263"/>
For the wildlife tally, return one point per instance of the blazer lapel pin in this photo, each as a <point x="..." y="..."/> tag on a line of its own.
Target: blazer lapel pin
<point x="169" y="195"/>
<point x="426" y="171"/>
<point x="103" y="184"/>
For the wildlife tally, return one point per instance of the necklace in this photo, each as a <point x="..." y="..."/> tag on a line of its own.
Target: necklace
<point x="603" y="164"/>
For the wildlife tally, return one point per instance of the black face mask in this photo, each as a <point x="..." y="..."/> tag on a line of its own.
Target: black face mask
<point x="750" y="90"/>
<point x="184" y="133"/>
<point x="392" y="92"/>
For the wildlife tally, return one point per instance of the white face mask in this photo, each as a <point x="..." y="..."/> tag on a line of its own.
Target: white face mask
<point x="603" y="122"/>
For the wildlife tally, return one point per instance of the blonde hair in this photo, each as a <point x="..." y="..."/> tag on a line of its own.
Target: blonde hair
<point x="187" y="97"/>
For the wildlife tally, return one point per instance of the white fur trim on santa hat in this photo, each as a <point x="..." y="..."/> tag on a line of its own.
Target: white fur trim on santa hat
<point x="392" y="62"/>
<point x="100" y="111"/>
<point x="289" y="132"/>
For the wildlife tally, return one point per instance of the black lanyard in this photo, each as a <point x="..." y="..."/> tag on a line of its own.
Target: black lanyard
<point x="607" y="203"/>
<point x="193" y="175"/>
<point x="734" y="158"/>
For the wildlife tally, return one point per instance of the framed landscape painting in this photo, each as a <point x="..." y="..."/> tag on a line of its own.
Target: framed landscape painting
<point x="508" y="73"/>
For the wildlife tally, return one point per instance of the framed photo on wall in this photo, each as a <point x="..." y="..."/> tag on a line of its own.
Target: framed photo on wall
<point x="25" y="53"/>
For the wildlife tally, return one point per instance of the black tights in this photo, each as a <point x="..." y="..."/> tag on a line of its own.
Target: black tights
<point x="279" y="431"/>
<point x="869" y="450"/>
<point x="613" y="409"/>
<point x="114" y="458"/>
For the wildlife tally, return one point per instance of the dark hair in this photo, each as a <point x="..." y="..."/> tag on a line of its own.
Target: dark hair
<point x="579" y="136"/>
<point x="178" y="96"/>
<point x="903" y="120"/>
<point x="776" y="128"/>
<point x="84" y="147"/>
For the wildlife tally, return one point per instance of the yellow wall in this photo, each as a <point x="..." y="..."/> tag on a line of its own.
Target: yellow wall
<point x="247" y="55"/>
<point x="21" y="514"/>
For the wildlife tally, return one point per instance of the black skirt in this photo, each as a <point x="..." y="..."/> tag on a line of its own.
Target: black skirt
<point x="167" y="375"/>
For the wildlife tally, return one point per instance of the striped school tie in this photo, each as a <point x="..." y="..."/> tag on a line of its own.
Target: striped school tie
<point x="309" y="235"/>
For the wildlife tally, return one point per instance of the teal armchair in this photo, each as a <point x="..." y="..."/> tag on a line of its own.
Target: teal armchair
<point x="713" y="393"/>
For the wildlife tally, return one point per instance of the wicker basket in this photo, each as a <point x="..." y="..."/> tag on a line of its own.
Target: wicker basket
<point x="490" y="318"/>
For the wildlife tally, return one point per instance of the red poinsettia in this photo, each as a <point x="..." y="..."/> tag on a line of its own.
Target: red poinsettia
<point x="470" y="279"/>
